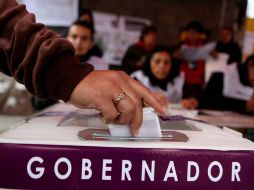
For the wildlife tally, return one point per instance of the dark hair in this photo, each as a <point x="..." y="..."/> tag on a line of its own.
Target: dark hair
<point x="243" y="70"/>
<point x="174" y="71"/>
<point x="230" y="30"/>
<point x="84" y="24"/>
<point x="146" y="30"/>
<point x="196" y="26"/>
<point x="89" y="13"/>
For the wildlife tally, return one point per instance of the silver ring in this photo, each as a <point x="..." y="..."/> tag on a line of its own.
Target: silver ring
<point x="120" y="97"/>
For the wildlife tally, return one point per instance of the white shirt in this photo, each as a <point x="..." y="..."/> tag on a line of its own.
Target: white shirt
<point x="98" y="63"/>
<point x="174" y="90"/>
<point x="232" y="86"/>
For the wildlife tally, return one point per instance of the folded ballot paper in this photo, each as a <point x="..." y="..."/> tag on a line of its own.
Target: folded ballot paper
<point x="153" y="127"/>
<point x="150" y="126"/>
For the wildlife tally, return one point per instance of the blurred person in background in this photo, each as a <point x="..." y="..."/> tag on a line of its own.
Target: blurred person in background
<point x="99" y="46"/>
<point x="227" y="45"/>
<point x="87" y="16"/>
<point x="136" y="54"/>
<point x="163" y="78"/>
<point x="193" y="35"/>
<point x="213" y="94"/>
<point x="194" y="70"/>
<point x="81" y="35"/>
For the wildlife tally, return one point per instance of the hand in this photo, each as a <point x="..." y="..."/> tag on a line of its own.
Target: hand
<point x="190" y="103"/>
<point x="161" y="98"/>
<point x="100" y="89"/>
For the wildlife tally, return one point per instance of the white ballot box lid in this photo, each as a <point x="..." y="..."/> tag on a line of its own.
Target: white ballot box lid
<point x="45" y="130"/>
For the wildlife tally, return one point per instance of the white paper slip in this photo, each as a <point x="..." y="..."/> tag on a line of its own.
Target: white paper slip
<point x="150" y="126"/>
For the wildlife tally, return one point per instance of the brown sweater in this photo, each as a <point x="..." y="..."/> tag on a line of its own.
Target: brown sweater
<point x="36" y="56"/>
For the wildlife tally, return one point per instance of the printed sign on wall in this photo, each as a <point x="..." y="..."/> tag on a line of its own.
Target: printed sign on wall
<point x="53" y="12"/>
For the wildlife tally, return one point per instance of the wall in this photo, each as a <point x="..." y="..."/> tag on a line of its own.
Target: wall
<point x="169" y="15"/>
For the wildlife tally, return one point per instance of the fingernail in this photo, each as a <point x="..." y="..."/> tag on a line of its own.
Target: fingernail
<point x="135" y="133"/>
<point x="165" y="109"/>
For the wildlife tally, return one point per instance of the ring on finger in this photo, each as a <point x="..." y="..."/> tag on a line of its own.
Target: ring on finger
<point x="120" y="97"/>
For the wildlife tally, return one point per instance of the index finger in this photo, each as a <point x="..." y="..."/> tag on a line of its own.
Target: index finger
<point x="147" y="96"/>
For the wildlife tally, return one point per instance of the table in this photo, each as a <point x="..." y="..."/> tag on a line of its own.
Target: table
<point x="39" y="154"/>
<point x="227" y="118"/>
<point x="240" y="122"/>
<point x="6" y="121"/>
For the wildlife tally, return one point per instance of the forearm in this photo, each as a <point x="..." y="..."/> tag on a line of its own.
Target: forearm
<point x="36" y="56"/>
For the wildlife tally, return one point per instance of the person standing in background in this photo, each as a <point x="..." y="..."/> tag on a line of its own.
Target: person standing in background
<point x="214" y="98"/>
<point x="194" y="70"/>
<point x="87" y="16"/>
<point x="228" y="46"/>
<point x="81" y="35"/>
<point x="99" y="47"/>
<point x="136" y="54"/>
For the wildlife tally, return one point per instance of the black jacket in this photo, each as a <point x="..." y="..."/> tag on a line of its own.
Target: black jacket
<point x="213" y="96"/>
<point x="232" y="49"/>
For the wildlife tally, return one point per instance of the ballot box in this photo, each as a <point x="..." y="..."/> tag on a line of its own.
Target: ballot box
<point x="48" y="151"/>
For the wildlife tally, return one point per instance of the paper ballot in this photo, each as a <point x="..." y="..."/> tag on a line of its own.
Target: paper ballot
<point x="213" y="65"/>
<point x="200" y="53"/>
<point x="149" y="128"/>
<point x="233" y="88"/>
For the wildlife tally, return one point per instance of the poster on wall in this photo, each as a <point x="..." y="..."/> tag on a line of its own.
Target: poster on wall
<point x="116" y="33"/>
<point x="53" y="12"/>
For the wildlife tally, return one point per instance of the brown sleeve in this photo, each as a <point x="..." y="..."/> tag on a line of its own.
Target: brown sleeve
<point x="36" y="56"/>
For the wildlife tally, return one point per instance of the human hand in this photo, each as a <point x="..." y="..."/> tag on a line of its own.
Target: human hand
<point x="190" y="103"/>
<point x="161" y="98"/>
<point x="100" y="89"/>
